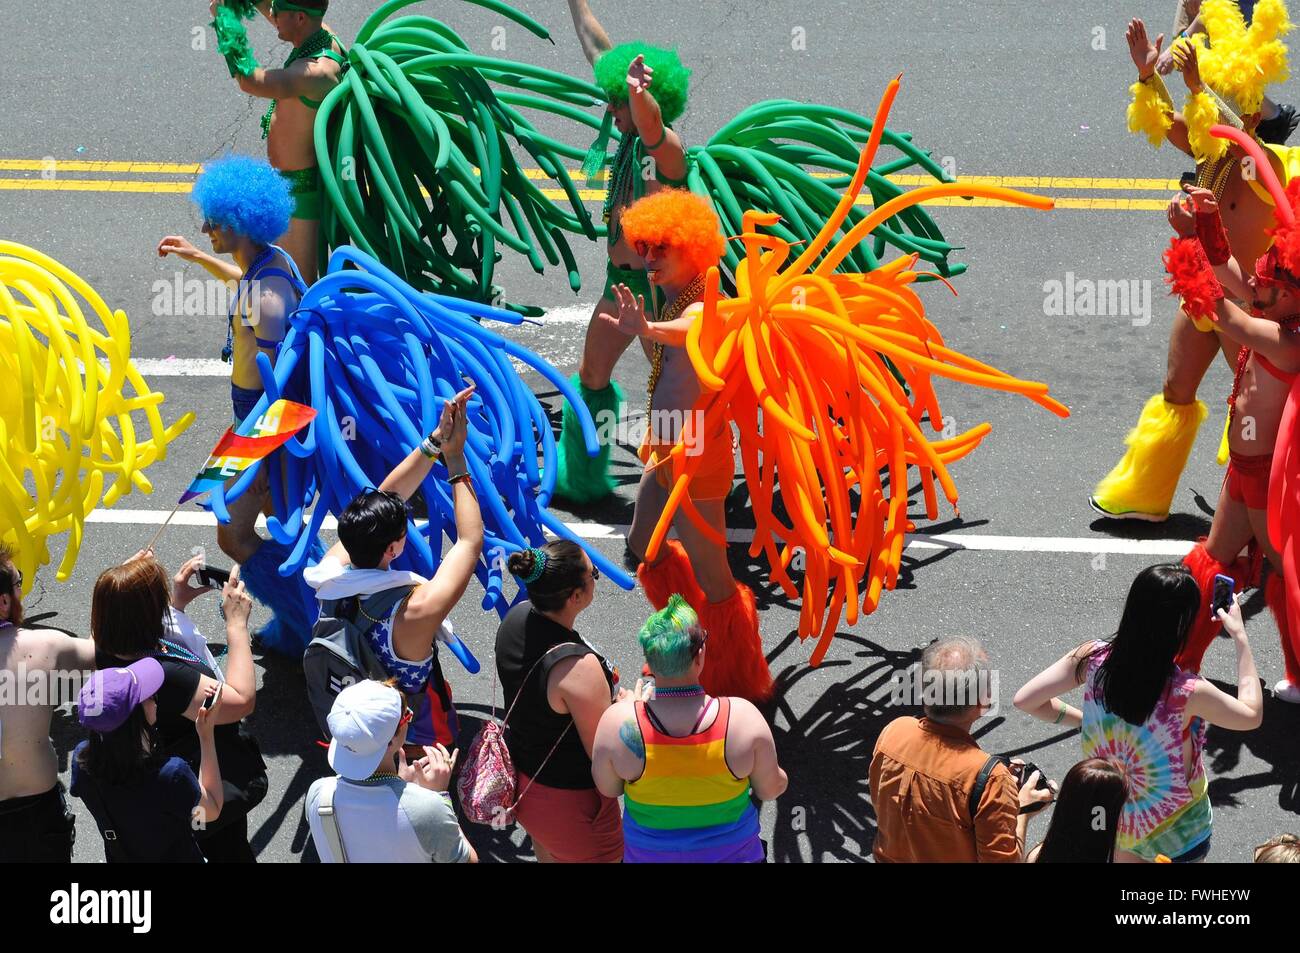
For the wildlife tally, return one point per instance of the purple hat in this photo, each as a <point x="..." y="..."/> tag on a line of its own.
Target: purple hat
<point x="111" y="694"/>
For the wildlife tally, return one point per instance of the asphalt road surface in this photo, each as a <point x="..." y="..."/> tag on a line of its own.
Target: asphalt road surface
<point x="1003" y="89"/>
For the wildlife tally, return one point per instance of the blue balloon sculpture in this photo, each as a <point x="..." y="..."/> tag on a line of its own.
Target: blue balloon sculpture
<point x="377" y="359"/>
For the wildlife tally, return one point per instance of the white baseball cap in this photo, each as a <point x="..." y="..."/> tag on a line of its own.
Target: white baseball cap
<point x="362" y="721"/>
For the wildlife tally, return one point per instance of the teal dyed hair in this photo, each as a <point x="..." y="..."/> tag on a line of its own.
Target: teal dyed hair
<point x="669" y="86"/>
<point x="666" y="638"/>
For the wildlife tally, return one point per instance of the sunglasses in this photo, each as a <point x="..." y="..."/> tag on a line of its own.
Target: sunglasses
<point x="698" y="639"/>
<point x="408" y="716"/>
<point x="15" y="580"/>
<point x="595" y="573"/>
<point x="645" y="248"/>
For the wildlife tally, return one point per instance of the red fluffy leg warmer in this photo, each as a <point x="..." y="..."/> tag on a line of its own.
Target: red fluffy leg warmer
<point x="1203" y="568"/>
<point x="672" y="574"/>
<point x="734" y="663"/>
<point x="1275" y="596"/>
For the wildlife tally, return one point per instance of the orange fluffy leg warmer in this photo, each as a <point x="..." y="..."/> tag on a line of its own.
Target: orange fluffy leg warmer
<point x="672" y="574"/>
<point x="734" y="664"/>
<point x="1204" y="568"/>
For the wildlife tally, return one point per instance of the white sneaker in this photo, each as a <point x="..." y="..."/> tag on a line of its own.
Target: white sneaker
<point x="1287" y="692"/>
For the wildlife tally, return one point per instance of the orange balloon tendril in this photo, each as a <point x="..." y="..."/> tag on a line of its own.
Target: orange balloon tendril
<point x="806" y="347"/>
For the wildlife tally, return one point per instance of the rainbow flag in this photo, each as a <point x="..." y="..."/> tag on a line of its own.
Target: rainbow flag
<point x="235" y="452"/>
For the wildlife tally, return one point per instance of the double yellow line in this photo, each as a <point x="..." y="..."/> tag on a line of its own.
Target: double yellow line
<point x="49" y="175"/>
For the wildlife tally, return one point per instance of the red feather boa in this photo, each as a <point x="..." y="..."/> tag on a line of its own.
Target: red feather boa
<point x="1191" y="277"/>
<point x="1286" y="239"/>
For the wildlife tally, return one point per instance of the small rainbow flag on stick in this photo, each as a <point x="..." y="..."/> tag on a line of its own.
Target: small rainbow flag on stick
<point x="235" y="452"/>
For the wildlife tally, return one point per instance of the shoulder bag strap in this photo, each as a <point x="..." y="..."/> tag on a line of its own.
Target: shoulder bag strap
<point x="329" y="822"/>
<point x="541" y="767"/>
<point x="981" y="782"/>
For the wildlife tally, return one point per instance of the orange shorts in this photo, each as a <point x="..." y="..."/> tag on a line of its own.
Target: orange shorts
<point x="712" y="481"/>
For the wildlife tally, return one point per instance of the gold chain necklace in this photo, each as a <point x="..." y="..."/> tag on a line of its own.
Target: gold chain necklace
<point x="688" y="296"/>
<point x="1214" y="175"/>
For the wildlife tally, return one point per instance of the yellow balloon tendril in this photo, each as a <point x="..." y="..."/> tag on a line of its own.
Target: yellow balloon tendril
<point x="68" y="408"/>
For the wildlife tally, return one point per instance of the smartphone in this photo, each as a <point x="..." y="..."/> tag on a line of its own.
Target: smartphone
<point x="1187" y="180"/>
<point x="210" y="576"/>
<point x="209" y="701"/>
<point x="1222" y="598"/>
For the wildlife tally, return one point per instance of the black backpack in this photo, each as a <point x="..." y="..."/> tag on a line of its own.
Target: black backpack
<point x="339" y="655"/>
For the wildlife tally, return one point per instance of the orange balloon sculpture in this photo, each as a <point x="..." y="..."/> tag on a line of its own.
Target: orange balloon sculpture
<point x="806" y="347"/>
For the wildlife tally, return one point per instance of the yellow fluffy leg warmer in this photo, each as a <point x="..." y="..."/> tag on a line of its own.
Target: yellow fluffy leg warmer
<point x="1142" y="484"/>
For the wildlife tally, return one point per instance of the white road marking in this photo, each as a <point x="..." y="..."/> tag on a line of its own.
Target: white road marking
<point x="211" y="367"/>
<point x="1088" y="546"/>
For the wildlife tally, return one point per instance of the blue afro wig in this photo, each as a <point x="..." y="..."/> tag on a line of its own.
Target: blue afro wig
<point x="245" y="195"/>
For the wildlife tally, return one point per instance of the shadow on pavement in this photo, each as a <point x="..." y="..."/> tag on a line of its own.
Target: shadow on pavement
<point x="1273" y="742"/>
<point x="826" y="813"/>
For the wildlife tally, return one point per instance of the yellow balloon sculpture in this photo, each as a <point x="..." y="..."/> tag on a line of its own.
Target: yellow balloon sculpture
<point x="67" y="408"/>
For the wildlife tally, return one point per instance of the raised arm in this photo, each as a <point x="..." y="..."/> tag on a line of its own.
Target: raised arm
<point x="1038" y="696"/>
<point x="591" y="34"/>
<point x="431" y="603"/>
<point x="1146" y="55"/>
<point x="239" y="691"/>
<point x="408" y="475"/>
<point x="661" y="143"/>
<point x="1196" y="215"/>
<point x="1246" y="711"/>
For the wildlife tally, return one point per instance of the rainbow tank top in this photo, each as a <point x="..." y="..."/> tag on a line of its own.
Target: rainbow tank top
<point x="687" y="807"/>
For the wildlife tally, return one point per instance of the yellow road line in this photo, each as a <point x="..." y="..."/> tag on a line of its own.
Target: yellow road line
<point x="79" y="165"/>
<point x="1069" y="183"/>
<point x="587" y="195"/>
<point x="91" y="185"/>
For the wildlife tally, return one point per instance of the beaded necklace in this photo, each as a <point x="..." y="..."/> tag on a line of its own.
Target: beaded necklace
<point x="378" y="778"/>
<point x="680" y="691"/>
<point x="317" y="43"/>
<point x="688" y="296"/>
<point x="1243" y="358"/>
<point x="1214" y="175"/>
<point x="618" y="187"/>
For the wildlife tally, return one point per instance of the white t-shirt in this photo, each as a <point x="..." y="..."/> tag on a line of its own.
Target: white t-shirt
<point x="388" y="821"/>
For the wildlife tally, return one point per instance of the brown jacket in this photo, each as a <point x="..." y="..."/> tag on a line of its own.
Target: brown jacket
<point x="922" y="775"/>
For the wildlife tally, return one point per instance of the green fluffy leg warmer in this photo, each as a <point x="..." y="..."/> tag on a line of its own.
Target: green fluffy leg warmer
<point x="582" y="478"/>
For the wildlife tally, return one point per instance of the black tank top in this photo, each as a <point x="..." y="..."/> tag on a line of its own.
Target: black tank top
<point x="524" y="637"/>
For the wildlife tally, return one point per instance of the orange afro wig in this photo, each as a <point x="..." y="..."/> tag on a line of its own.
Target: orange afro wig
<point x="682" y="221"/>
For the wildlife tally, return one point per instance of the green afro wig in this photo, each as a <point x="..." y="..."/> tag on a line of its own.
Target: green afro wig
<point x="670" y="83"/>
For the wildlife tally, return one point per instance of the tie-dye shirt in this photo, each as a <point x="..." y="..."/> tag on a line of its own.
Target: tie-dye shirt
<point x="1166" y="812"/>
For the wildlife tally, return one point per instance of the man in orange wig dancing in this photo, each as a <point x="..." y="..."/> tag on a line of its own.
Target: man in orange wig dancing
<point x="679" y="237"/>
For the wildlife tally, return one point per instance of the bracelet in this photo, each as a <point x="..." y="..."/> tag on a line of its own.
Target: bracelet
<point x="663" y="135"/>
<point x="459" y="478"/>
<point x="431" y="447"/>
<point x="1064" y="709"/>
